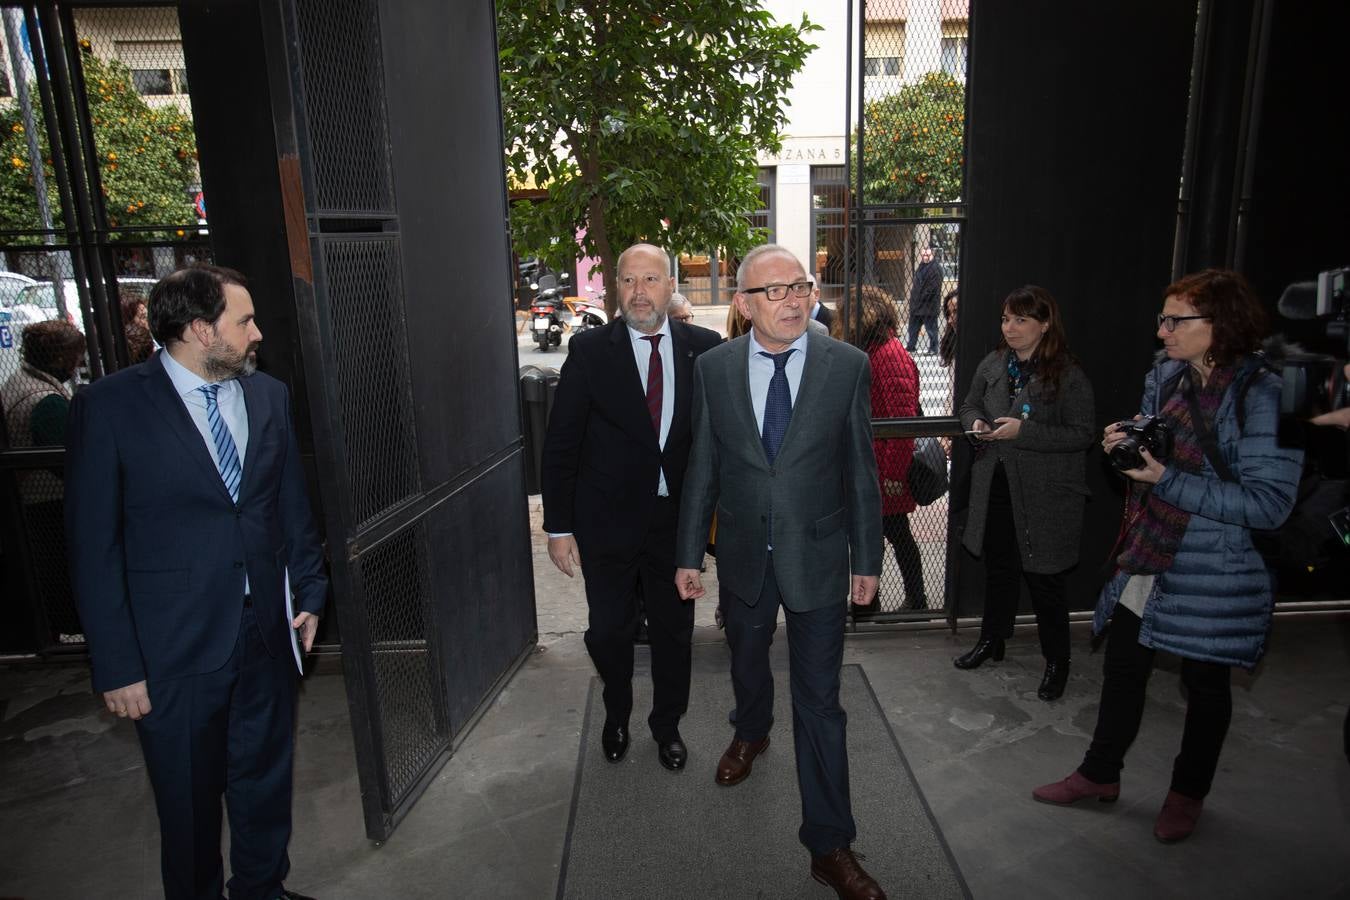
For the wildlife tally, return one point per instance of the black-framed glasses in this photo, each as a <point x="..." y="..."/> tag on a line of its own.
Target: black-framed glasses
<point x="776" y="292"/>
<point x="1170" y="322"/>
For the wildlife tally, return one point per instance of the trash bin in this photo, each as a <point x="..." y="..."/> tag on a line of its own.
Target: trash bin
<point x="537" y="387"/>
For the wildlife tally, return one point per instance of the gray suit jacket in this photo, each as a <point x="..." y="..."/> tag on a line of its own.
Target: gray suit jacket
<point x="822" y="487"/>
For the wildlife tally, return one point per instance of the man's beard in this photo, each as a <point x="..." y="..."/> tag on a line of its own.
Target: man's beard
<point x="222" y="363"/>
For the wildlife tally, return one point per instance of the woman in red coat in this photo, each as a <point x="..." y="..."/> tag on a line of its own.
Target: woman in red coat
<point x="895" y="393"/>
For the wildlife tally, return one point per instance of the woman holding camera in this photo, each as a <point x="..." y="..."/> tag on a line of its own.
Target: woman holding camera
<point x="1187" y="578"/>
<point x="1030" y="410"/>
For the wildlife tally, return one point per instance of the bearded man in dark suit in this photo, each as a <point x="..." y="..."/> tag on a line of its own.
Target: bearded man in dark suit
<point x="614" y="458"/>
<point x="189" y="518"/>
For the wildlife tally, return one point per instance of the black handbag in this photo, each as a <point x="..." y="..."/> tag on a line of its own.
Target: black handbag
<point x="927" y="469"/>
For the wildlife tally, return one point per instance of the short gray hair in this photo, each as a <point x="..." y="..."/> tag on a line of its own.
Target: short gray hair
<point x="678" y="299"/>
<point x="762" y="250"/>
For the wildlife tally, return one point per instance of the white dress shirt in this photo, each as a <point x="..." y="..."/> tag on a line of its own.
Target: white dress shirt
<point x="761" y="373"/>
<point x="642" y="355"/>
<point x="230" y="399"/>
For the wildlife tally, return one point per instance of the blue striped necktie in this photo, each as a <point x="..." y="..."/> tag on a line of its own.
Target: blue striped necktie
<point x="227" y="455"/>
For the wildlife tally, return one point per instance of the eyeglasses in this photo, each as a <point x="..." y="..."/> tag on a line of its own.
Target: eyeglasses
<point x="687" y="317"/>
<point x="1170" y="322"/>
<point x="776" y="292"/>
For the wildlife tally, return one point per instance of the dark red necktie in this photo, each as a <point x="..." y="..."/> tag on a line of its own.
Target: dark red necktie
<point x="654" y="382"/>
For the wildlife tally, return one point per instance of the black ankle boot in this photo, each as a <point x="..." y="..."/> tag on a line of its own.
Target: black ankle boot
<point x="1053" y="682"/>
<point x="986" y="648"/>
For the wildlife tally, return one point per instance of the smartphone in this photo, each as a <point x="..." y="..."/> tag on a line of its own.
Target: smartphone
<point x="974" y="437"/>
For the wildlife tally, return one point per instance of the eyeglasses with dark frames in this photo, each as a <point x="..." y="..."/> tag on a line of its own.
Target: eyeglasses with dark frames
<point x="1170" y="322"/>
<point x="776" y="292"/>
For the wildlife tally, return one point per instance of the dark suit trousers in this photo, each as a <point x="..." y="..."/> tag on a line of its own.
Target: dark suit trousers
<point x="1003" y="573"/>
<point x="612" y="585"/>
<point x="815" y="654"/>
<point x="1209" y="709"/>
<point x="227" y="732"/>
<point x="929" y="323"/>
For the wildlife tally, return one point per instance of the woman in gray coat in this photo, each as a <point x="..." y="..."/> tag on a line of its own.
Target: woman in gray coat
<point x="1031" y="408"/>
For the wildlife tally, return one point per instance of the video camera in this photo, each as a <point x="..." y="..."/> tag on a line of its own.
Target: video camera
<point x="1315" y="383"/>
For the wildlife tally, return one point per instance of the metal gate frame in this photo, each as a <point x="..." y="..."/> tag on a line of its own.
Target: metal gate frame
<point x="861" y="220"/>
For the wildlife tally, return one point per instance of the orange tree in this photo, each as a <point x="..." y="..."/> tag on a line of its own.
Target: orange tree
<point x="147" y="157"/>
<point x="641" y="119"/>
<point x="912" y="143"/>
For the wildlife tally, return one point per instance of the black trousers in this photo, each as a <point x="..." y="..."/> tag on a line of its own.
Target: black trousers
<point x="930" y="324"/>
<point x="906" y="549"/>
<point x="230" y="732"/>
<point x="612" y="586"/>
<point x="1003" y="576"/>
<point x="1209" y="708"/>
<point x="819" y="723"/>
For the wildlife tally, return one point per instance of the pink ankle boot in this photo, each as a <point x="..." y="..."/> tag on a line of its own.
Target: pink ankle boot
<point x="1075" y="788"/>
<point x="1178" y="817"/>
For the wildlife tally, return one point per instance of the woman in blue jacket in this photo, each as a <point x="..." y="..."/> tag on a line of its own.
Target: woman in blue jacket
<point x="1187" y="578"/>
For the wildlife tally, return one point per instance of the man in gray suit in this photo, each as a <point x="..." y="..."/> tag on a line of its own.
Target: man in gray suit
<point x="783" y="452"/>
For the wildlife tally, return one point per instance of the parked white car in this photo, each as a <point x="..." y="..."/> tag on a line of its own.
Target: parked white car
<point x="36" y="302"/>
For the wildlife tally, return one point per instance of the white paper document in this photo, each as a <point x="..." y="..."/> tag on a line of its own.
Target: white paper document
<point x="290" y="617"/>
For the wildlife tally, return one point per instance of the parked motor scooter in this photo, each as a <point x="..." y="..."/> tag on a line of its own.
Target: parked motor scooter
<point x="587" y="312"/>
<point x="546" y="321"/>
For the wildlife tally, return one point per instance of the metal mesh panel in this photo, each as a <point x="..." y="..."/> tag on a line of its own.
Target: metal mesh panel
<point x="409" y="701"/>
<point x="370" y="351"/>
<point x="42" y="495"/>
<point x="910" y="162"/>
<point x="344" y="96"/>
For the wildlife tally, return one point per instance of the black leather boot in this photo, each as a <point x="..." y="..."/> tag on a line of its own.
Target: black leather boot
<point x="986" y="648"/>
<point x="1053" y="682"/>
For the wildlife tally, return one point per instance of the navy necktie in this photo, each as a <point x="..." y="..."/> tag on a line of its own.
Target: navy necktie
<point x="777" y="405"/>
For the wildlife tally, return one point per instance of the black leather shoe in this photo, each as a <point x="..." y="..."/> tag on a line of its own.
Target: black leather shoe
<point x="986" y="648"/>
<point x="1053" y="682"/>
<point x="672" y="753"/>
<point x="614" y="741"/>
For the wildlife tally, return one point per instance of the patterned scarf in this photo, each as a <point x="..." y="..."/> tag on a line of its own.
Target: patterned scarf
<point x="1019" y="373"/>
<point x="1154" y="528"/>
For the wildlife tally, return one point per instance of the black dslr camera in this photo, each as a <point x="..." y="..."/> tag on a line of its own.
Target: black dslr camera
<point x="1149" y="433"/>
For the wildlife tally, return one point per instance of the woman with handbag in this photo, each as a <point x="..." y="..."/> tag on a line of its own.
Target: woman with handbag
<point x="895" y="394"/>
<point x="1030" y="406"/>
<point x="1188" y="579"/>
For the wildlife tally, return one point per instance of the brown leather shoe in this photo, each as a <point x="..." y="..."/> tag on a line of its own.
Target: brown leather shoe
<point x="734" y="766"/>
<point x="839" y="869"/>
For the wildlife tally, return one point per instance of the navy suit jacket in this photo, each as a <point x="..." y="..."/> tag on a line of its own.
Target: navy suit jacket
<point x="158" y="550"/>
<point x="601" y="455"/>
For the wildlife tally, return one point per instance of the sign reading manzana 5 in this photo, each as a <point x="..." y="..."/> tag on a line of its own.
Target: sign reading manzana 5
<point x="827" y="152"/>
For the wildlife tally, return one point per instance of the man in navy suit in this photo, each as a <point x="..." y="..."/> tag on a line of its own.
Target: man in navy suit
<point x="783" y="453"/>
<point x="614" y="458"/>
<point x="187" y="511"/>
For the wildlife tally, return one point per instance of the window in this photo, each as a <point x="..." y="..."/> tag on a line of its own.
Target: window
<point x="157" y="68"/>
<point x="875" y="66"/>
<point x="764" y="216"/>
<point x="954" y="57"/>
<point x="829" y="193"/>
<point x="152" y="82"/>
